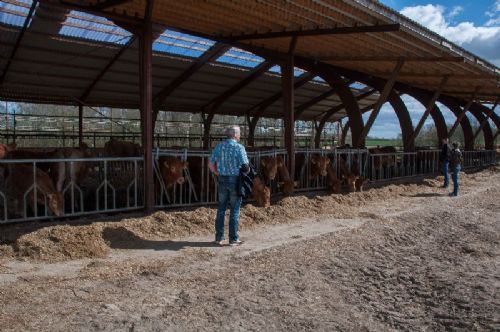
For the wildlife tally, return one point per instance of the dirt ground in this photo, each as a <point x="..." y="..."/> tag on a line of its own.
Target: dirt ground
<point x="401" y="257"/>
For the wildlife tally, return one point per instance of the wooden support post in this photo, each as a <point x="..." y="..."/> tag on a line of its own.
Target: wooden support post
<point x="287" y="83"/>
<point x="345" y="130"/>
<point x="80" y="124"/>
<point x="428" y="109"/>
<point x="252" y="124"/>
<point x="207" y="123"/>
<point x="318" y="127"/>
<point x="381" y="100"/>
<point x="488" y="115"/>
<point x="462" y="114"/>
<point x="146" y="93"/>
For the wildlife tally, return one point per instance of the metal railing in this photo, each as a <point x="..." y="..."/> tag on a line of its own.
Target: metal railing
<point x="33" y="189"/>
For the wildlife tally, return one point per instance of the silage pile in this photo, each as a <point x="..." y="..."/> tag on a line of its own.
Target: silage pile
<point x="52" y="242"/>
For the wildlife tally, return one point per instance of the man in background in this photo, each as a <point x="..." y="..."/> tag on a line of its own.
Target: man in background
<point x="226" y="160"/>
<point x="456" y="166"/>
<point x="444" y="158"/>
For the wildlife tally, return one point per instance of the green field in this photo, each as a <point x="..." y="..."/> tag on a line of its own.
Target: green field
<point x="371" y="142"/>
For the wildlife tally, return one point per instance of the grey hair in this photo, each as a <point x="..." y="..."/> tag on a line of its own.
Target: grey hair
<point x="233" y="131"/>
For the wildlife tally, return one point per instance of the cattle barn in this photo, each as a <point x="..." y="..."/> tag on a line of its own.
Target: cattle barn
<point x="321" y="62"/>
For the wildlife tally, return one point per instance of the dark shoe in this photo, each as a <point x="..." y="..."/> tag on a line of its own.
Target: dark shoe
<point x="235" y="243"/>
<point x="218" y="243"/>
<point x="452" y="195"/>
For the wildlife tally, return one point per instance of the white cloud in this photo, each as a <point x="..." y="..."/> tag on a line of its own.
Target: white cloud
<point x="481" y="40"/>
<point x="494" y="14"/>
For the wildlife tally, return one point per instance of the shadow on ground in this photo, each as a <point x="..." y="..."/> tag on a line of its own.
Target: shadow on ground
<point x="429" y="195"/>
<point x="122" y="238"/>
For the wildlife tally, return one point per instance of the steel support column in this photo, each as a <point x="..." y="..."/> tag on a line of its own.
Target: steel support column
<point x="207" y="123"/>
<point x="382" y="99"/>
<point x="80" y="124"/>
<point x="462" y="114"/>
<point x="287" y="83"/>
<point x="488" y="115"/>
<point x="146" y="94"/>
<point x="429" y="107"/>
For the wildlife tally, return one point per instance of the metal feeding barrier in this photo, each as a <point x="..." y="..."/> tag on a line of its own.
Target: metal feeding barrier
<point x="35" y="189"/>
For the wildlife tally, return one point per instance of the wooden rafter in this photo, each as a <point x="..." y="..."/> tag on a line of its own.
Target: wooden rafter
<point x="261" y="107"/>
<point x="462" y="114"/>
<point x="117" y="56"/>
<point x="18" y="41"/>
<point x="391" y="58"/>
<point x="381" y="100"/>
<point x="428" y="108"/>
<point x="101" y="5"/>
<point x="337" y="108"/>
<point x="213" y="52"/>
<point x="252" y="76"/>
<point x="316" y="32"/>
<point x="488" y="115"/>
<point x="301" y="108"/>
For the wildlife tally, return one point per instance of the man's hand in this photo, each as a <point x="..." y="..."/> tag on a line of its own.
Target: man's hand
<point x="213" y="168"/>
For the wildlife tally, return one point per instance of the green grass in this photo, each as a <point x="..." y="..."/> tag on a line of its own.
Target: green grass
<point x="371" y="142"/>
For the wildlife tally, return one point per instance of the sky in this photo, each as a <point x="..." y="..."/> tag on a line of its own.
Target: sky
<point x="472" y="24"/>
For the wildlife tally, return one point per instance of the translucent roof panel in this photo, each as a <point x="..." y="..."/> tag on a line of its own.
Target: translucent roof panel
<point x="90" y="27"/>
<point x="14" y="12"/>
<point x="239" y="57"/>
<point x="296" y="71"/>
<point x="358" y="86"/>
<point x="181" y="44"/>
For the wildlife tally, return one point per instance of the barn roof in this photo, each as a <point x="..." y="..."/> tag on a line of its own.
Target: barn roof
<point x="53" y="53"/>
<point x="67" y="56"/>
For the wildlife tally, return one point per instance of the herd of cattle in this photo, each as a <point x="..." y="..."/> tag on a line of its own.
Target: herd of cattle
<point x="99" y="182"/>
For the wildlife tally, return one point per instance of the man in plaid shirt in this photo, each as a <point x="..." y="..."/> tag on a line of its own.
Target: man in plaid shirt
<point x="226" y="160"/>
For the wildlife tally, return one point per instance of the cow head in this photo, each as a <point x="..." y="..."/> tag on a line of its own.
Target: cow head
<point x="351" y="182"/>
<point x="261" y="193"/>
<point x="172" y="170"/>
<point x="319" y="165"/>
<point x="269" y="167"/>
<point x="6" y="148"/>
<point x="56" y="203"/>
<point x="287" y="187"/>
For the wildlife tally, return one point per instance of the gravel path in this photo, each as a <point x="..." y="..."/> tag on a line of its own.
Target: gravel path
<point x="420" y="262"/>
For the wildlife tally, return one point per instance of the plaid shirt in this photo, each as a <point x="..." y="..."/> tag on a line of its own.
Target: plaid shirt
<point x="229" y="156"/>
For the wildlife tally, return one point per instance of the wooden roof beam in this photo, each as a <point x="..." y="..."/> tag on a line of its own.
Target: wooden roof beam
<point x="462" y="114"/>
<point x="213" y="52"/>
<point x="117" y="56"/>
<point x="428" y="108"/>
<point x="18" y="41"/>
<point x="392" y="58"/>
<point x="316" y="32"/>
<point x="337" y="108"/>
<point x="261" y="107"/>
<point x="301" y="108"/>
<point x="101" y="5"/>
<point x="381" y="100"/>
<point x="488" y="115"/>
<point x="252" y="76"/>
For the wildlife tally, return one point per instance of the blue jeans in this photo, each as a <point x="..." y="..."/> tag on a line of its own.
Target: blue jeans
<point x="228" y="195"/>
<point x="456" y="171"/>
<point x="445" y="173"/>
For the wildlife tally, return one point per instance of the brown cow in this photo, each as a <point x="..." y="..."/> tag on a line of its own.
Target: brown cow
<point x="62" y="171"/>
<point x="268" y="167"/>
<point x="171" y="169"/>
<point x="319" y="166"/>
<point x="261" y="193"/>
<point x="286" y="184"/>
<point x="333" y="180"/>
<point x="20" y="179"/>
<point x="6" y="148"/>
<point x="346" y="174"/>
<point x="119" y="148"/>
